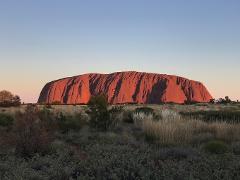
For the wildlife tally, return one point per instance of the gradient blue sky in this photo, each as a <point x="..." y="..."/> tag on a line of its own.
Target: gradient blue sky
<point x="49" y="39"/>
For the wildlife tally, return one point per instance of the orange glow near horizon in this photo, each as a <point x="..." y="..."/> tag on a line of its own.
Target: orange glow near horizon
<point x="29" y="91"/>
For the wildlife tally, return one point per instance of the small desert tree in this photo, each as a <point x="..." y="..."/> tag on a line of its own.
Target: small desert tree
<point x="224" y="100"/>
<point x="8" y="99"/>
<point x="212" y="101"/>
<point x="227" y="99"/>
<point x="99" y="114"/>
<point x="5" y="96"/>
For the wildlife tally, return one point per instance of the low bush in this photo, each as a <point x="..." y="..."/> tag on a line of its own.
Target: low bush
<point x="213" y="116"/>
<point x="6" y="120"/>
<point x="67" y="123"/>
<point x="216" y="147"/>
<point x="127" y="116"/>
<point x="48" y="119"/>
<point x="201" y="138"/>
<point x="174" y="153"/>
<point x="30" y="135"/>
<point x="121" y="161"/>
<point x="236" y="148"/>
<point x="145" y="110"/>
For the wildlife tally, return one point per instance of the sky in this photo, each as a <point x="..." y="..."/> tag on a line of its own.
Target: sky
<point x="41" y="41"/>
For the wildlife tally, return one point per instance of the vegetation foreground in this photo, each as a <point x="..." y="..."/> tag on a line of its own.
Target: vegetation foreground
<point x="121" y="142"/>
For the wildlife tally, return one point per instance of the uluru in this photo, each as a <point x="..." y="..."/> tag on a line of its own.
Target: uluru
<point x="125" y="87"/>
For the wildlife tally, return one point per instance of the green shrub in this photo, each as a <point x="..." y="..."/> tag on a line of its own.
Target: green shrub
<point x="212" y="116"/>
<point x="236" y="148"/>
<point x="176" y="153"/>
<point x="198" y="139"/>
<point x="45" y="114"/>
<point x="48" y="119"/>
<point x="145" y="110"/>
<point x="150" y="138"/>
<point x="99" y="114"/>
<point x="6" y="120"/>
<point x="67" y="123"/>
<point x="128" y="116"/>
<point x="216" y="147"/>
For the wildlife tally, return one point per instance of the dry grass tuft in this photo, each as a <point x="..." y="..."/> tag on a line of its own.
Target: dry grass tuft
<point x="172" y="129"/>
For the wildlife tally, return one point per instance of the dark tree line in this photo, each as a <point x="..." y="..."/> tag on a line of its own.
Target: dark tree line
<point x="7" y="99"/>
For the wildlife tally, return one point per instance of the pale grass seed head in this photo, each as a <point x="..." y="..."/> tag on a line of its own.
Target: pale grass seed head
<point x="172" y="129"/>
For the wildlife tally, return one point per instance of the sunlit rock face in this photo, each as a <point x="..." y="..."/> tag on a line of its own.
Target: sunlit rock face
<point x="125" y="87"/>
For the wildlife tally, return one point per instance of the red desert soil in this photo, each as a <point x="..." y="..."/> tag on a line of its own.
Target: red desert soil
<point x="125" y="87"/>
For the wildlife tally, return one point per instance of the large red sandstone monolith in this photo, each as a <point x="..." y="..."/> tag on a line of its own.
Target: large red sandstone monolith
<point x="125" y="87"/>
